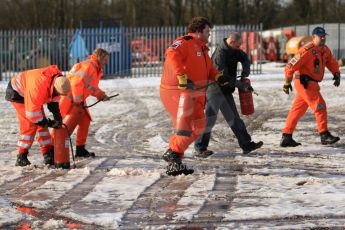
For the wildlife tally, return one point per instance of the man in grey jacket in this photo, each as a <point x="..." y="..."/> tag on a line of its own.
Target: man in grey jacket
<point x="225" y="58"/>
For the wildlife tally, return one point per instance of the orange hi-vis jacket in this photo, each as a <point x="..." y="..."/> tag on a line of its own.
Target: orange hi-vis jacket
<point x="188" y="55"/>
<point x="84" y="78"/>
<point x="311" y="60"/>
<point x="36" y="87"/>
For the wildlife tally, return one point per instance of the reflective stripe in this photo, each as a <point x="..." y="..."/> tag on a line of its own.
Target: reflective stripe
<point x="46" y="142"/>
<point x="77" y="97"/>
<point x="33" y="114"/>
<point x="69" y="98"/>
<point x="43" y="134"/>
<point x="180" y="108"/>
<point x="66" y="143"/>
<point x="27" y="138"/>
<point x="23" y="144"/>
<point x="83" y="74"/>
<point x="15" y="88"/>
<point x="88" y="79"/>
<point x="93" y="65"/>
<point x="79" y="72"/>
<point x="18" y="79"/>
<point x="90" y="87"/>
<point x="56" y="99"/>
<point x="38" y="120"/>
<point x="185" y="133"/>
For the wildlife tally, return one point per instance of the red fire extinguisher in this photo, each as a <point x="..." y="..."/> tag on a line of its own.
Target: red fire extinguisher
<point x="246" y="99"/>
<point x="60" y="136"/>
<point x="61" y="151"/>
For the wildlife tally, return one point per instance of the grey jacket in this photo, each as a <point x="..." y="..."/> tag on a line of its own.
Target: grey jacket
<point x="225" y="60"/>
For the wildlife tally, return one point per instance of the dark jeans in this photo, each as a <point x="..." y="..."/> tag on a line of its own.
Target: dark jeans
<point x="216" y="101"/>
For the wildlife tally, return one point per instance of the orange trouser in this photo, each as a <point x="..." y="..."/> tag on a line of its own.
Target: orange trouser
<point x="83" y="124"/>
<point x="186" y="111"/>
<point x="83" y="129"/>
<point x="305" y="98"/>
<point x="28" y="131"/>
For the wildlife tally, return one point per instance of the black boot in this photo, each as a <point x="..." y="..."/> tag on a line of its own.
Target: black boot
<point x="203" y="153"/>
<point x="48" y="158"/>
<point x="171" y="156"/>
<point x="251" y="146"/>
<point x="175" y="166"/>
<point x="22" y="160"/>
<point x="327" y="138"/>
<point x="82" y="152"/>
<point x="287" y="141"/>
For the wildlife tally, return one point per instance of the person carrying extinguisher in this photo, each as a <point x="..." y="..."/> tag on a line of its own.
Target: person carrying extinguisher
<point x="187" y="67"/>
<point x="84" y="77"/>
<point x="308" y="66"/>
<point x="28" y="91"/>
<point x="225" y="58"/>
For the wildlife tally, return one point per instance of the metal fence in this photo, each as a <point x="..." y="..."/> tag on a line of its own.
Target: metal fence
<point x="335" y="38"/>
<point x="135" y="52"/>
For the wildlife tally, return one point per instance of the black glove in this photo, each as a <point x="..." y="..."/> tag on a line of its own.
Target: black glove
<point x="224" y="84"/>
<point x="246" y="88"/>
<point x="55" y="110"/>
<point x="287" y="86"/>
<point x="54" y="124"/>
<point x="336" y="78"/>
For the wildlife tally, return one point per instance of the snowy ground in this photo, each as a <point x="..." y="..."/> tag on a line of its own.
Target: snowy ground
<point x="125" y="186"/>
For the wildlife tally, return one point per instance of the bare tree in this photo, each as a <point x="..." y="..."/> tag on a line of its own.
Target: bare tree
<point x="69" y="13"/>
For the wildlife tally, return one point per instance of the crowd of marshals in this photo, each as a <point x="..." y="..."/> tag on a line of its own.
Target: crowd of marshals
<point x="188" y="72"/>
<point x="188" y="68"/>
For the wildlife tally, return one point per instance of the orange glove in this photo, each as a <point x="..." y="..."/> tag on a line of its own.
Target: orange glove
<point x="184" y="82"/>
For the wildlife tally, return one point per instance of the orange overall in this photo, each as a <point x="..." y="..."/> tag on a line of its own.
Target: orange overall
<point x="84" y="78"/>
<point x="311" y="60"/>
<point x="187" y="55"/>
<point x="36" y="87"/>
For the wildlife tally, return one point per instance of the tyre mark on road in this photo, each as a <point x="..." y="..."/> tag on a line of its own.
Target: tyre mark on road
<point x="159" y="202"/>
<point x="33" y="179"/>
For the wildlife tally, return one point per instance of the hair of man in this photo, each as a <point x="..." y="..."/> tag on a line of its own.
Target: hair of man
<point x="198" y="24"/>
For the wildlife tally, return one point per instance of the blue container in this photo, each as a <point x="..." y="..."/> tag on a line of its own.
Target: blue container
<point x="111" y="39"/>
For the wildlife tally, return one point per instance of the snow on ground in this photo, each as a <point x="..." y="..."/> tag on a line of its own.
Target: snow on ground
<point x="125" y="186"/>
<point x="8" y="215"/>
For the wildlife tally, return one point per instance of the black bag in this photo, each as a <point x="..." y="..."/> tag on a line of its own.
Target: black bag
<point x="12" y="95"/>
<point x="304" y="79"/>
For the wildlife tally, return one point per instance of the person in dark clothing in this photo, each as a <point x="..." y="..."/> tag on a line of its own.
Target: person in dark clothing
<point x="225" y="58"/>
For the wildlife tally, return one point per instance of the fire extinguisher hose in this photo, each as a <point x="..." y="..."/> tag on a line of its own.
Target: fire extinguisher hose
<point x="204" y="86"/>
<point x="70" y="143"/>
<point x="88" y="106"/>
